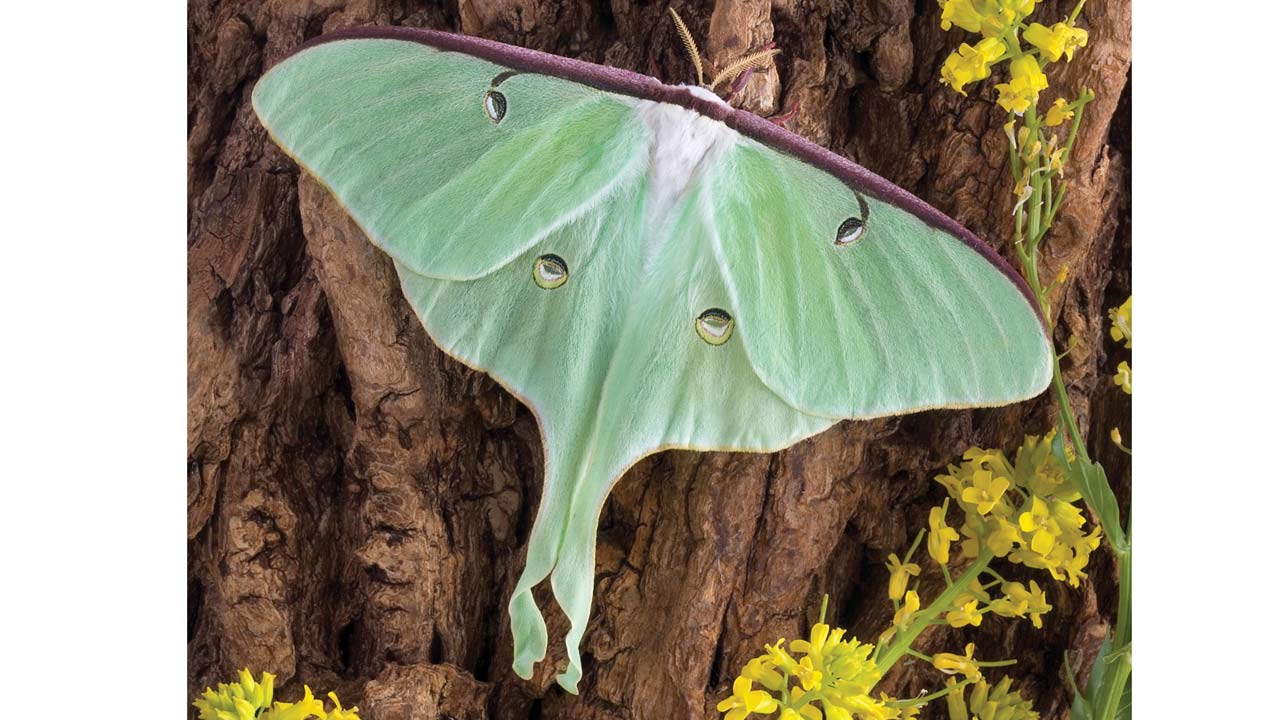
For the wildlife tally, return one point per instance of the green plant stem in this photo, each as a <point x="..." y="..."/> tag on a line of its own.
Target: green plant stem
<point x="914" y="544"/>
<point x="1123" y="632"/>
<point x="1038" y="213"/>
<point x="901" y="642"/>
<point x="1055" y="200"/>
<point x="1076" y="13"/>
<point x="1118" y="671"/>
<point x="925" y="699"/>
<point x="1031" y="268"/>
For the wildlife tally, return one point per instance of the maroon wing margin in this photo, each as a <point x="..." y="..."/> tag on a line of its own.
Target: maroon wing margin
<point x="625" y="82"/>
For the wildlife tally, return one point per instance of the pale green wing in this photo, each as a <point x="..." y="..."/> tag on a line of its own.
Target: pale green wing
<point x="613" y="366"/>
<point x="887" y="317"/>
<point x="452" y="165"/>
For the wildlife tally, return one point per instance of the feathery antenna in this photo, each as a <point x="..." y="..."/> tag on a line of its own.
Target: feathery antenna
<point x="756" y="61"/>
<point x="689" y="45"/>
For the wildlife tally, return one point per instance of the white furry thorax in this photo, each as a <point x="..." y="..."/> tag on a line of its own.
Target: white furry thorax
<point x="684" y="142"/>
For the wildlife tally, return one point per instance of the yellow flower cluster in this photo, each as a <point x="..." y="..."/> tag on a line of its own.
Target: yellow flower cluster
<point x="1024" y="511"/>
<point x="992" y="18"/>
<point x="987" y="702"/>
<point x="972" y="63"/>
<point x="1019" y="601"/>
<point x="1124" y="377"/>
<point x="250" y="700"/>
<point x="999" y="23"/>
<point x="832" y="679"/>
<point x="1026" y="80"/>
<point x="1054" y="42"/>
<point x="1122" y="329"/>
<point x="1058" y="113"/>
<point x="1122" y="322"/>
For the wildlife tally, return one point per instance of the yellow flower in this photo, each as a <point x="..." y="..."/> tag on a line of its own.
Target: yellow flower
<point x="971" y="63"/>
<point x="863" y="707"/>
<point x="822" y="641"/>
<point x="966" y="613"/>
<point x="760" y="669"/>
<point x="1033" y="601"/>
<point x="1122" y="322"/>
<point x="1037" y="604"/>
<point x="832" y="680"/>
<point x="985" y="492"/>
<point x="1040" y="472"/>
<point x="818" y="635"/>
<point x="1067" y="516"/>
<point x="1058" y="113"/>
<point x="338" y="713"/>
<point x="848" y="670"/>
<point x="990" y="17"/>
<point x="809" y="676"/>
<point x="1124" y="377"/>
<point x="238" y="701"/>
<point x="1030" y="558"/>
<point x="952" y="664"/>
<point x="836" y="712"/>
<point x="1022" y="191"/>
<point x="987" y="702"/>
<point x="899" y="574"/>
<point x="941" y="536"/>
<point x="1039" y="521"/>
<point x="745" y="701"/>
<point x="304" y="709"/>
<point x="1024" y="86"/>
<point x="963" y="13"/>
<point x="955" y="700"/>
<point x="1056" y="41"/>
<point x="1008" y="607"/>
<point x="1001" y="535"/>
<point x="1075" y="569"/>
<point x="780" y="658"/>
<point x="249" y="700"/>
<point x="1055" y="165"/>
<point x="1081" y="550"/>
<point x="910" y="605"/>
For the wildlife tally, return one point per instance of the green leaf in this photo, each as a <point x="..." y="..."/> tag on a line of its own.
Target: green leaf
<point x="1111" y="666"/>
<point x="1091" y="480"/>
<point x="1126" y="703"/>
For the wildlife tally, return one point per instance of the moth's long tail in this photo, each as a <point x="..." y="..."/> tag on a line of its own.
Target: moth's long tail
<point x="562" y="544"/>
<point x="528" y="630"/>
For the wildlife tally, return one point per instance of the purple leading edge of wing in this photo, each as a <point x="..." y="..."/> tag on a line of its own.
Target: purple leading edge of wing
<point x="625" y="82"/>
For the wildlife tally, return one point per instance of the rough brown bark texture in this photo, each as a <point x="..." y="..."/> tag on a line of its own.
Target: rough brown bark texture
<point x="358" y="502"/>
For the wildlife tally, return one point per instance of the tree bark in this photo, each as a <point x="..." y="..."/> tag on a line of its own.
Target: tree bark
<point x="358" y="502"/>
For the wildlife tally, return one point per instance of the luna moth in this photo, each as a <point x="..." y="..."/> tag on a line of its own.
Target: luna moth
<point x="643" y="266"/>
